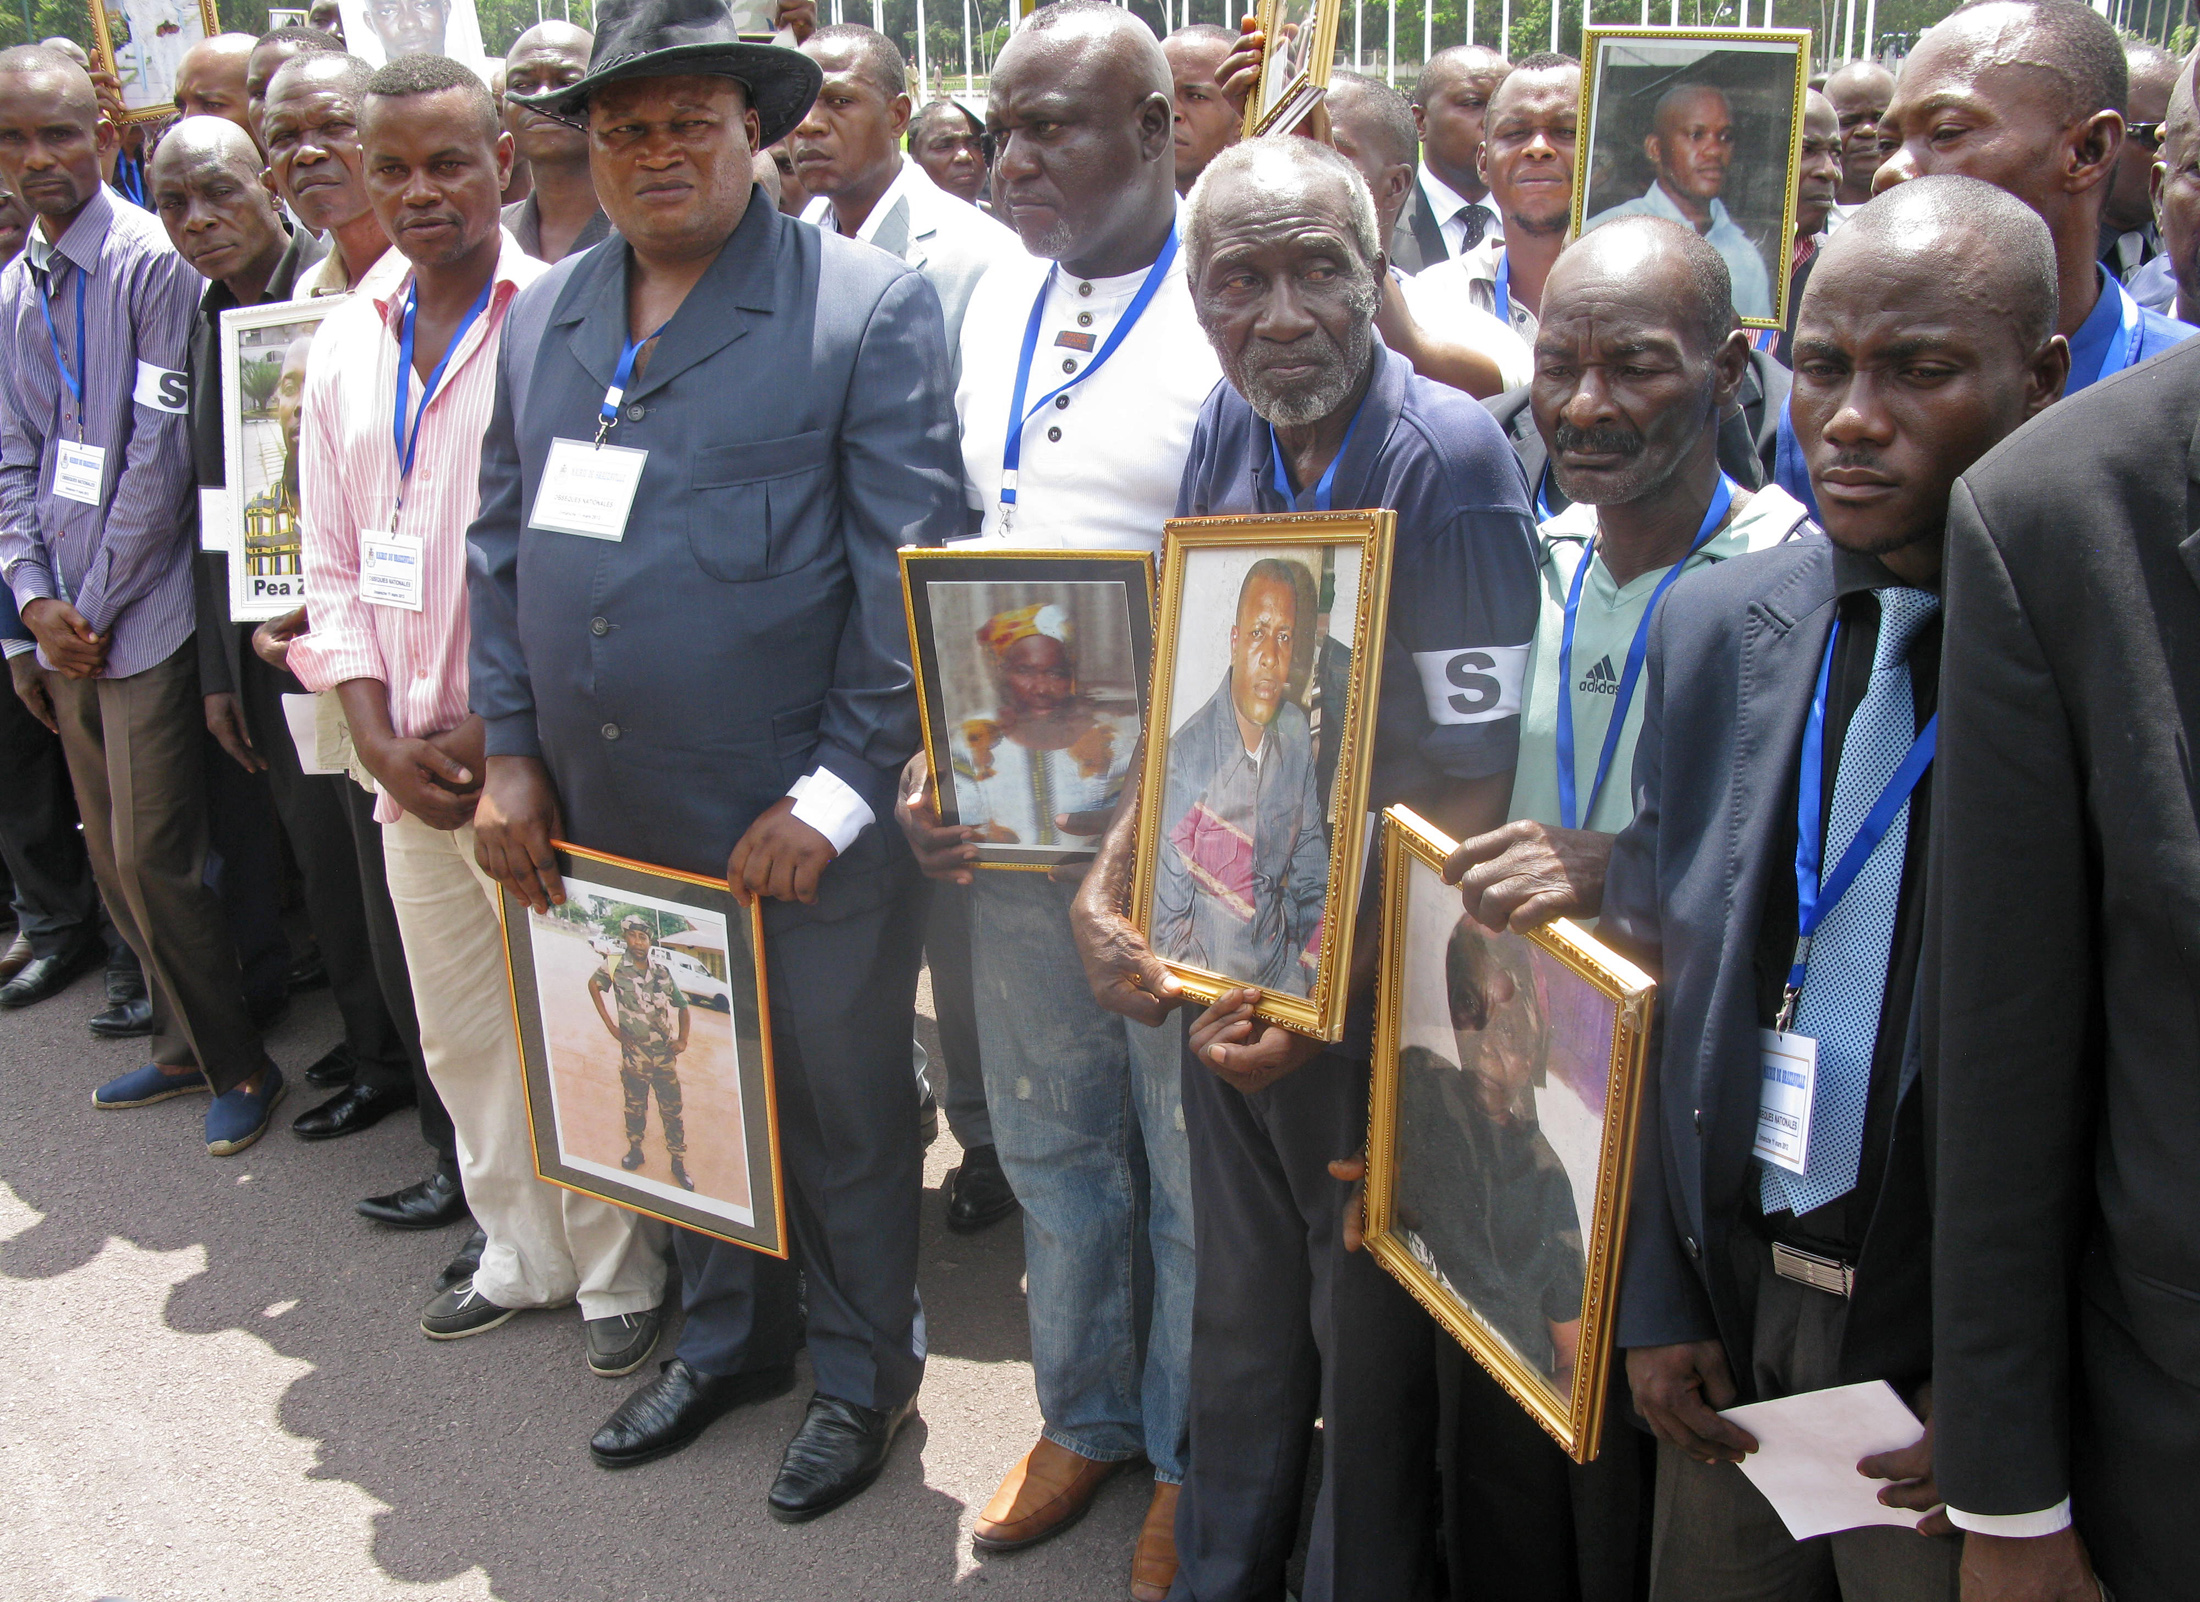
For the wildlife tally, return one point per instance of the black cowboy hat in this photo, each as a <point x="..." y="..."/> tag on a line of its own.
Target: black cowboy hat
<point x="666" y="38"/>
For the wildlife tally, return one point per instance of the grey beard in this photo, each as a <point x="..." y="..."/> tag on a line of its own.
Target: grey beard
<point x="1299" y="407"/>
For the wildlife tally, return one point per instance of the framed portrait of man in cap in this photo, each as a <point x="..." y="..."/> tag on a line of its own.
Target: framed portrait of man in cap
<point x="264" y="350"/>
<point x="1253" y="821"/>
<point x="1032" y="669"/>
<point x="1704" y="127"/>
<point x="645" y="1037"/>
<point x="1501" y="1130"/>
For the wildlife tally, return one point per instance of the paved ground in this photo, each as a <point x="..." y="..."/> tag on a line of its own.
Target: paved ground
<point x="217" y="1387"/>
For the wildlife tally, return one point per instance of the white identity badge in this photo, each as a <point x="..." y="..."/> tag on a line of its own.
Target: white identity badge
<point x="214" y="507"/>
<point x="80" y="472"/>
<point x="1790" y="1074"/>
<point x="586" y="489"/>
<point x="389" y="569"/>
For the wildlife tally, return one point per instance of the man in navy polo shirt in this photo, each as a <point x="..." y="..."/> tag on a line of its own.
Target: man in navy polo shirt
<point x="1285" y="263"/>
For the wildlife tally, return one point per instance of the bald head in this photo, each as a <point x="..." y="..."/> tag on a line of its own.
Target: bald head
<point x="1860" y="92"/>
<point x="1669" y="266"/>
<point x="68" y="47"/>
<point x="206" y="190"/>
<point x="211" y="79"/>
<point x="207" y="141"/>
<point x="2153" y="77"/>
<point x="1454" y="62"/>
<point x="2177" y="202"/>
<point x="547" y="57"/>
<point x="1991" y="248"/>
<point x="51" y="134"/>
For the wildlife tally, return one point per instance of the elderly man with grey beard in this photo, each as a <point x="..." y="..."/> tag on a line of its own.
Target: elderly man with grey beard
<point x="1285" y="258"/>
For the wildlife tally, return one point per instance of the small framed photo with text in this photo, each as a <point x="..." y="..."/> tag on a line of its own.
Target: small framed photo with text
<point x="645" y="1036"/>
<point x="1701" y="126"/>
<point x="1032" y="669"/>
<point x="1252" y="831"/>
<point x="263" y="356"/>
<point x="1508" y="1077"/>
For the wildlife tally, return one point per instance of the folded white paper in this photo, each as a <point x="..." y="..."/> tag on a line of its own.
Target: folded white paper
<point x="316" y="752"/>
<point x="1807" y="1451"/>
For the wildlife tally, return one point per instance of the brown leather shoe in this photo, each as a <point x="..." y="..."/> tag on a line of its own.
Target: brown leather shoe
<point x="1044" y="1494"/>
<point x="17" y="957"/>
<point x="1153" y="1565"/>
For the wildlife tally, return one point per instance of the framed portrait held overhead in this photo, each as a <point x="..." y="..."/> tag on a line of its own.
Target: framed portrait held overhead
<point x="1032" y="669"/>
<point x="645" y="1038"/>
<point x="1253" y="826"/>
<point x="379" y="31"/>
<point x="1507" y="1085"/>
<point x="1701" y="126"/>
<point x="143" y="41"/>
<point x="1300" y="40"/>
<point x="263" y="359"/>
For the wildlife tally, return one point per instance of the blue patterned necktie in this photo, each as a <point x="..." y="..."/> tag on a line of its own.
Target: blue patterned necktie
<point x="1847" y="979"/>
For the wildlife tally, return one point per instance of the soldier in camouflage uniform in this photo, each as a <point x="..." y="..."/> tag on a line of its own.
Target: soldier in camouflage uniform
<point x="649" y="1043"/>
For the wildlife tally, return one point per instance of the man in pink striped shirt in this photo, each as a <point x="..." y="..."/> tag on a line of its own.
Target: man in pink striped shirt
<point x="398" y="397"/>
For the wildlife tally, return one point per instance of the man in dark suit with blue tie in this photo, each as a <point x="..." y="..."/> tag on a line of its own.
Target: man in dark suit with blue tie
<point x="714" y="675"/>
<point x="1773" y="882"/>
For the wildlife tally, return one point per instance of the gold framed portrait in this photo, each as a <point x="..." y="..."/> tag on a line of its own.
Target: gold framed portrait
<point x="142" y="42"/>
<point x="1253" y="826"/>
<point x="1507" y="1087"/>
<point x="1702" y="126"/>
<point x="1300" y="39"/>
<point x="645" y="1045"/>
<point x="1032" y="670"/>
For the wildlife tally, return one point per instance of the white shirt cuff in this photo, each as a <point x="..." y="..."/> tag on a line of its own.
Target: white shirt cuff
<point x="824" y="801"/>
<point x="2015" y="1526"/>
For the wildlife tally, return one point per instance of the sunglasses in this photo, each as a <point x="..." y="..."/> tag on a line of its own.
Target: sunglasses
<point x="2148" y="134"/>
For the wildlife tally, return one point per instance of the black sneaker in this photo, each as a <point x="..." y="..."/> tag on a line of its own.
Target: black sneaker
<point x="622" y="1343"/>
<point x="461" y="1311"/>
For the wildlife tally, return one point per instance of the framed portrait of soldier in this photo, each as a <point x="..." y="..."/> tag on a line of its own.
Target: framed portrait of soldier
<point x="1253" y="825"/>
<point x="1508" y="1076"/>
<point x="143" y="41"/>
<point x="1300" y="37"/>
<point x="264" y="350"/>
<point x="645" y="1035"/>
<point x="379" y="31"/>
<point x="1032" y="669"/>
<point x="1704" y="127"/>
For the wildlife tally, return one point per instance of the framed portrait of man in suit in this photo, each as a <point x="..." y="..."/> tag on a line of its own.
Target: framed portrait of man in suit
<point x="645" y="1039"/>
<point x="1507" y="1085"/>
<point x="1032" y="669"/>
<point x="1253" y="823"/>
<point x="1704" y="127"/>
<point x="264" y="351"/>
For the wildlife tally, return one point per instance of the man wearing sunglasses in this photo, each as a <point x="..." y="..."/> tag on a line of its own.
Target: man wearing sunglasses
<point x="2129" y="236"/>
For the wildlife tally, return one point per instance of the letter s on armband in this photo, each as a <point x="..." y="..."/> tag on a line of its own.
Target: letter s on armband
<point x="1477" y="684"/>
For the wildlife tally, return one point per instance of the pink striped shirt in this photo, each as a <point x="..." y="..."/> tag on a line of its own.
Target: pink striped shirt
<point x="348" y="482"/>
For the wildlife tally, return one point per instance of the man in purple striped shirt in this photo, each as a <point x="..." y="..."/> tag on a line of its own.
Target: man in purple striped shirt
<point x="95" y="543"/>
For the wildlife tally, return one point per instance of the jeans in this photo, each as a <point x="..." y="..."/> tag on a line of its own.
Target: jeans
<point x="1089" y="1122"/>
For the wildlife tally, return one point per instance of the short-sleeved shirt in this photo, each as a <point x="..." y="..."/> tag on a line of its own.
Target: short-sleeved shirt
<point x="1463" y="589"/>
<point x="648" y="1000"/>
<point x="1603" y="631"/>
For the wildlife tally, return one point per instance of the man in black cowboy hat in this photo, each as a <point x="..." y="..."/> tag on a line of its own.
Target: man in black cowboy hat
<point x="664" y="518"/>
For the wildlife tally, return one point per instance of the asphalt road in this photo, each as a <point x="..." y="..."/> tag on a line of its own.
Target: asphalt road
<point x="216" y="1387"/>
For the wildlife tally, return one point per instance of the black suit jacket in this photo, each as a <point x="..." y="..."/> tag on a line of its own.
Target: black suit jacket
<point x="2066" y="1033"/>
<point x="1749" y="436"/>
<point x="1734" y="655"/>
<point x="1418" y="240"/>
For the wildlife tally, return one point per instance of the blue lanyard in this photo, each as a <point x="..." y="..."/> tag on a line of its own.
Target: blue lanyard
<point x="1329" y="474"/>
<point x="1815" y="898"/>
<point x="1543" y="512"/>
<point x="621" y="376"/>
<point x="1503" y="288"/>
<point x="74" y="380"/>
<point x="1012" y="450"/>
<point x="409" y="442"/>
<point x="1569" y="814"/>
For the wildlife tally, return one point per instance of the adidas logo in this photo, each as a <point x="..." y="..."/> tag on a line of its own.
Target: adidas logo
<point x="1600" y="680"/>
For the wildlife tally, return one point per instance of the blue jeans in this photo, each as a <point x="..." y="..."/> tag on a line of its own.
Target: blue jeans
<point x="1088" y="1118"/>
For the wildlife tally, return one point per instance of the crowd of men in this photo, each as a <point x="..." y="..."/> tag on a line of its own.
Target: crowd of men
<point x="1728" y="585"/>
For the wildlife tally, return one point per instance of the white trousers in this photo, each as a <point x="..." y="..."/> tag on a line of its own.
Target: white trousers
<point x="546" y="1243"/>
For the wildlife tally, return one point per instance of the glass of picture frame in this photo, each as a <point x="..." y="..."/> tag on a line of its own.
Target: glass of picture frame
<point x="142" y="42"/>
<point x="263" y="365"/>
<point x="1507" y="1085"/>
<point x="1299" y="38"/>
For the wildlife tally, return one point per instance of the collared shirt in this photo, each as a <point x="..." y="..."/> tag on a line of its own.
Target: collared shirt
<point x="1446" y="205"/>
<point x="125" y="564"/>
<point x="523" y="221"/>
<point x="1445" y="298"/>
<point x="2091" y="345"/>
<point x="820" y="208"/>
<point x="1101" y="472"/>
<point x="1745" y="264"/>
<point x="2124" y="254"/>
<point x="350" y="480"/>
<point x="1604" y="628"/>
<point x="327" y="276"/>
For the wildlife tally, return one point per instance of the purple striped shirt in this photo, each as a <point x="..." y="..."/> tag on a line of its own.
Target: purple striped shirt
<point x="125" y="564"/>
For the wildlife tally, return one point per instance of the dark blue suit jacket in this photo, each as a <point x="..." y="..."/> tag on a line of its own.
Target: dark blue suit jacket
<point x="748" y="629"/>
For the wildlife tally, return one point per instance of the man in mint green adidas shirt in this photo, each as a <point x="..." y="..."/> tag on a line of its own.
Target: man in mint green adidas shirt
<point x="1636" y="361"/>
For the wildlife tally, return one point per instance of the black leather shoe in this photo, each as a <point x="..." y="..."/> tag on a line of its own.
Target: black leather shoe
<point x="128" y="1014"/>
<point x="461" y="1268"/>
<point x="335" y="1067"/>
<point x="675" y="1407"/>
<point x="309" y="972"/>
<point x="44" y="977"/>
<point x="839" y="1451"/>
<point x="978" y="1193"/>
<point x="350" y="1110"/>
<point x="434" y="1202"/>
<point x="928" y="1119"/>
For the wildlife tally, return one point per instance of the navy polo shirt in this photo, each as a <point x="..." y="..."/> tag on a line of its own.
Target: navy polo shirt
<point x="1464" y="596"/>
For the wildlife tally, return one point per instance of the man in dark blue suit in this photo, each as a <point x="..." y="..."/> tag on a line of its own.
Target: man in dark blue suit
<point x="715" y="678"/>
<point x="1781" y="1232"/>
